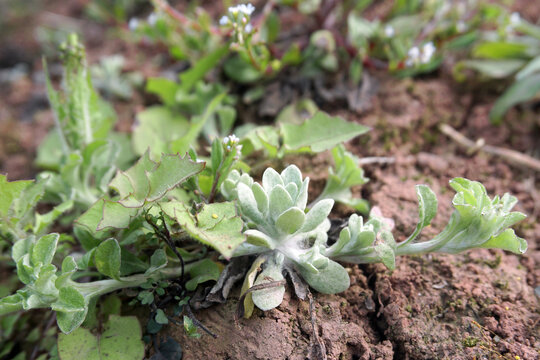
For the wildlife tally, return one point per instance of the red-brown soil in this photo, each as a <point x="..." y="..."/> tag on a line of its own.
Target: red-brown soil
<point x="477" y="305"/>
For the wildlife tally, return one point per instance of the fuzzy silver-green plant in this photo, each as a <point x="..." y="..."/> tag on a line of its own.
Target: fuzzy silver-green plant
<point x="287" y="236"/>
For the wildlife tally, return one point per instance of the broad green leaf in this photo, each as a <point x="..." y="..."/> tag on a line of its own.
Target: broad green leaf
<point x="121" y="340"/>
<point x="240" y="70"/>
<point x="131" y="264"/>
<point x="171" y="171"/>
<point x="157" y="127"/>
<point x="321" y="132"/>
<point x="345" y="174"/>
<point x="107" y="258"/>
<point x="70" y="321"/>
<point x="158" y="260"/>
<point x="147" y="181"/>
<point x="332" y="279"/>
<point x="532" y="67"/>
<point x="164" y="88"/>
<point x="500" y="50"/>
<point x="9" y="191"/>
<point x="10" y="304"/>
<point x="497" y="69"/>
<point x="70" y="300"/>
<point x="522" y="90"/>
<point x="267" y="299"/>
<point x="190" y="77"/>
<point x="44" y="249"/>
<point x="386" y="255"/>
<point x="80" y="344"/>
<point x="203" y="271"/>
<point x="182" y="145"/>
<point x="115" y="215"/>
<point x="216" y="225"/>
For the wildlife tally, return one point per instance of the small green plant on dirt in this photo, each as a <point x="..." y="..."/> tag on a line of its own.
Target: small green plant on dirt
<point x="161" y="211"/>
<point x="287" y="236"/>
<point x="510" y="51"/>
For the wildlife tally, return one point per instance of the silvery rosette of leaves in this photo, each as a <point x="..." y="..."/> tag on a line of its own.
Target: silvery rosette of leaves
<point x="287" y="235"/>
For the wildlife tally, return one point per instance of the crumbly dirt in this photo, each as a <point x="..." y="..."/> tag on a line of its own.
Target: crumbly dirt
<point x="477" y="305"/>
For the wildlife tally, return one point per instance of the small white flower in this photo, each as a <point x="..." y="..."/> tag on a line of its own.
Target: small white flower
<point x="428" y="50"/>
<point x="246" y="9"/>
<point x="515" y="18"/>
<point x="224" y="20"/>
<point x="234" y="139"/>
<point x="248" y="28"/>
<point x="133" y="24"/>
<point x="239" y="148"/>
<point x="226" y="140"/>
<point x="414" y="53"/>
<point x="389" y="31"/>
<point x="152" y="18"/>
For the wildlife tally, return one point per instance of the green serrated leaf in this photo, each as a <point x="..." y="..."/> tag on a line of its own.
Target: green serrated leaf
<point x="217" y="225"/>
<point x="157" y="127"/>
<point x="321" y="132"/>
<point x="9" y="191"/>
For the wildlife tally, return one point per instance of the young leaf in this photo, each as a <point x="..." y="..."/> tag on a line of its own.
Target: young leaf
<point x="157" y="127"/>
<point x="44" y="249"/>
<point x="107" y="258"/>
<point x="345" y="174"/>
<point x="522" y="90"/>
<point x="267" y="299"/>
<point x="332" y="279"/>
<point x="427" y="209"/>
<point x="158" y="260"/>
<point x="321" y="132"/>
<point x="10" y="190"/>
